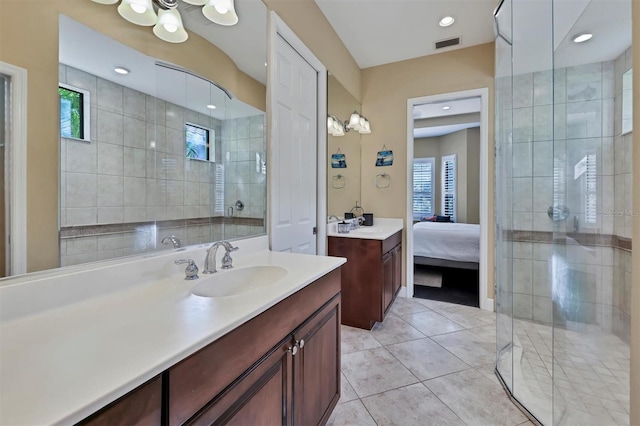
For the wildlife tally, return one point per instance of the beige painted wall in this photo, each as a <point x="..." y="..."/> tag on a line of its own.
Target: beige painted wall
<point x="29" y="39"/>
<point x="306" y="19"/>
<point x="341" y="104"/>
<point x="635" y="276"/>
<point x="385" y="90"/>
<point x="473" y="175"/>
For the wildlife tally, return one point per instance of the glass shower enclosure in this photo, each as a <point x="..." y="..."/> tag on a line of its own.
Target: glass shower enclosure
<point x="563" y="208"/>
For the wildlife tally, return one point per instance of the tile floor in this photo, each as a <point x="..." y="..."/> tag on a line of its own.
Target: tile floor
<point x="428" y="363"/>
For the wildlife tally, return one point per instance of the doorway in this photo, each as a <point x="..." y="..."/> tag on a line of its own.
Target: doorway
<point x="450" y="200"/>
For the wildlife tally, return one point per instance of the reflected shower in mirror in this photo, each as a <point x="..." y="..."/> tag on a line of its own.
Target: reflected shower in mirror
<point x="150" y="151"/>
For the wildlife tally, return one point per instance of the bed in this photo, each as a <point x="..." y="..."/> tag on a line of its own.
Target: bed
<point x="445" y="244"/>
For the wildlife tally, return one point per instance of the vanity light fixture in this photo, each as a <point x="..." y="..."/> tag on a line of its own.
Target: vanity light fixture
<point x="121" y="70"/>
<point x="447" y="21"/>
<point x="335" y="127"/>
<point x="211" y="106"/>
<point x="446" y="107"/>
<point x="356" y="122"/>
<point x="167" y="24"/>
<point x="582" y="37"/>
<point x="169" y="27"/>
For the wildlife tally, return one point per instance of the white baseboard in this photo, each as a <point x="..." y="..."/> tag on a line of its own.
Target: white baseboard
<point x="487" y="304"/>
<point x="402" y="292"/>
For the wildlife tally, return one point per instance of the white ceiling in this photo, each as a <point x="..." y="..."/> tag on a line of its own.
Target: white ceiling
<point x="88" y="50"/>
<point x="378" y="32"/>
<point x="434" y="131"/>
<point x="457" y="107"/>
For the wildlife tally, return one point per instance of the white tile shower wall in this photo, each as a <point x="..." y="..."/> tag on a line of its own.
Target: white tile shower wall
<point x="550" y="135"/>
<point x="243" y="149"/>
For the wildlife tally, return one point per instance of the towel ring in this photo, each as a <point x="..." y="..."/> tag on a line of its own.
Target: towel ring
<point x="338" y="181"/>
<point x="383" y="181"/>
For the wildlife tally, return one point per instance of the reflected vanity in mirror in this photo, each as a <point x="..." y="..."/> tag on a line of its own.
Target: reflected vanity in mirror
<point x="343" y="183"/>
<point x="152" y="155"/>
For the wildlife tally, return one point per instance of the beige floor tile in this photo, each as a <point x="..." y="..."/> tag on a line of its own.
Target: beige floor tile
<point x="374" y="371"/>
<point x="409" y="406"/>
<point x="350" y="413"/>
<point x="346" y="391"/>
<point x="403" y="306"/>
<point x="356" y="339"/>
<point x="426" y="359"/>
<point x="431" y="323"/>
<point x="468" y="316"/>
<point x="475" y="347"/>
<point x="434" y="304"/>
<point x="476" y="399"/>
<point x="394" y="330"/>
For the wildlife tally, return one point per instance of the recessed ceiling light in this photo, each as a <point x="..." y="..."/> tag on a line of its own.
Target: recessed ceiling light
<point x="121" y="70"/>
<point x="211" y="106"/>
<point x="446" y="107"/>
<point x="446" y="21"/>
<point x="265" y="64"/>
<point x="580" y="38"/>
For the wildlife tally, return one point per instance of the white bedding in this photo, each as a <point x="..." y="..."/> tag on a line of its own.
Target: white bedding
<point x="451" y="241"/>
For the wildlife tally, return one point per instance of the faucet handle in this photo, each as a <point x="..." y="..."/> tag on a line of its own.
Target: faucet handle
<point x="191" y="271"/>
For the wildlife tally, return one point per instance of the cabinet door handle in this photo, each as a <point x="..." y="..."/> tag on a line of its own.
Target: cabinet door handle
<point x="294" y="350"/>
<point x="301" y="343"/>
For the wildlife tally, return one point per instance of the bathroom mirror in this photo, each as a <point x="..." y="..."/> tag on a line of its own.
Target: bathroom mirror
<point x="170" y="155"/>
<point x="343" y="177"/>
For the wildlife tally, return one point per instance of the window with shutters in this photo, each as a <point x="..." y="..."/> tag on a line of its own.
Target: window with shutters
<point x="449" y="186"/>
<point x="219" y="190"/>
<point x="590" y="199"/>
<point x="423" y="194"/>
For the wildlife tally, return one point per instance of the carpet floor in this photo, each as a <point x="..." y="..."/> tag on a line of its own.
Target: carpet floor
<point x="459" y="286"/>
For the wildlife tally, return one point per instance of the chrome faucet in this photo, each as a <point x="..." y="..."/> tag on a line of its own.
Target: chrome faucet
<point x="174" y="240"/>
<point x="191" y="271"/>
<point x="334" y="217"/>
<point x="210" y="260"/>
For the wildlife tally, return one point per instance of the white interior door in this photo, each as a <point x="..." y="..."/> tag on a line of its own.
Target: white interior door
<point x="294" y="146"/>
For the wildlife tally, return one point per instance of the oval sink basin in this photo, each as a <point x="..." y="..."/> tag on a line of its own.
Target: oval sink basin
<point x="238" y="281"/>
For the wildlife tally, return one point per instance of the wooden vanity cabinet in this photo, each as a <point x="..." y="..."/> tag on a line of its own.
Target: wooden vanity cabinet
<point x="371" y="278"/>
<point x="281" y="367"/>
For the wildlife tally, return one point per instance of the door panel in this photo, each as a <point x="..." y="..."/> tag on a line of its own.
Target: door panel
<point x="294" y="153"/>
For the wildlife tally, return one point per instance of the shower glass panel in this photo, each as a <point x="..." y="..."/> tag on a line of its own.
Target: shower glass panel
<point x="563" y="209"/>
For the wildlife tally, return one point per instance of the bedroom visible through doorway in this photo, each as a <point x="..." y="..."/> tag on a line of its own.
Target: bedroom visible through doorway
<point x="447" y="171"/>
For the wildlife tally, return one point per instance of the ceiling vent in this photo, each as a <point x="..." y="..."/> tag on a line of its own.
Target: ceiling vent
<point x="447" y="43"/>
<point x="193" y="13"/>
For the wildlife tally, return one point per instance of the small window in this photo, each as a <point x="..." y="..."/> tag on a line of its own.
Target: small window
<point x="627" y="102"/>
<point x="75" y="107"/>
<point x="219" y="190"/>
<point x="423" y="193"/>
<point x="591" y="191"/>
<point x="199" y="145"/>
<point x="449" y="206"/>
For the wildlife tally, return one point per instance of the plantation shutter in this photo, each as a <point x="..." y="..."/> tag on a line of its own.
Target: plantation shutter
<point x="423" y="199"/>
<point x="219" y="190"/>
<point x="590" y="200"/>
<point x="449" y="186"/>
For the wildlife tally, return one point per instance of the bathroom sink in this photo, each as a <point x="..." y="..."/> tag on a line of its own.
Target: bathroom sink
<point x="238" y="281"/>
<point x="366" y="230"/>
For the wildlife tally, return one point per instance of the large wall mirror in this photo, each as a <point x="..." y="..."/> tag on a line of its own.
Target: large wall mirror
<point x="343" y="178"/>
<point x="156" y="155"/>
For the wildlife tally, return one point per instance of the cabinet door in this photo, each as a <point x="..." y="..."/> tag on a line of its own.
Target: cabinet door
<point x="316" y="385"/>
<point x="397" y="268"/>
<point x="387" y="281"/>
<point x="139" y="407"/>
<point x="262" y="396"/>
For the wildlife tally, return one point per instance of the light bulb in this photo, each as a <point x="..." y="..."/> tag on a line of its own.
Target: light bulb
<point x="170" y="28"/>
<point x="221" y="9"/>
<point x="138" y="8"/>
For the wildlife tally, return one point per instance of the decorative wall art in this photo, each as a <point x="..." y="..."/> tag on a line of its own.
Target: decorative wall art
<point x="385" y="157"/>
<point x="338" y="160"/>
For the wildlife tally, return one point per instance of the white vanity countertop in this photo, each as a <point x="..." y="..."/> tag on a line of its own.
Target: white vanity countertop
<point x="382" y="229"/>
<point x="63" y="364"/>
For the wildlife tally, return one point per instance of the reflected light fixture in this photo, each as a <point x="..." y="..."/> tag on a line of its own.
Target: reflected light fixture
<point x="446" y="107"/>
<point x="167" y="23"/>
<point x="121" y="70"/>
<point x="356" y="122"/>
<point x="581" y="38"/>
<point x="211" y="106"/>
<point x="446" y="21"/>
